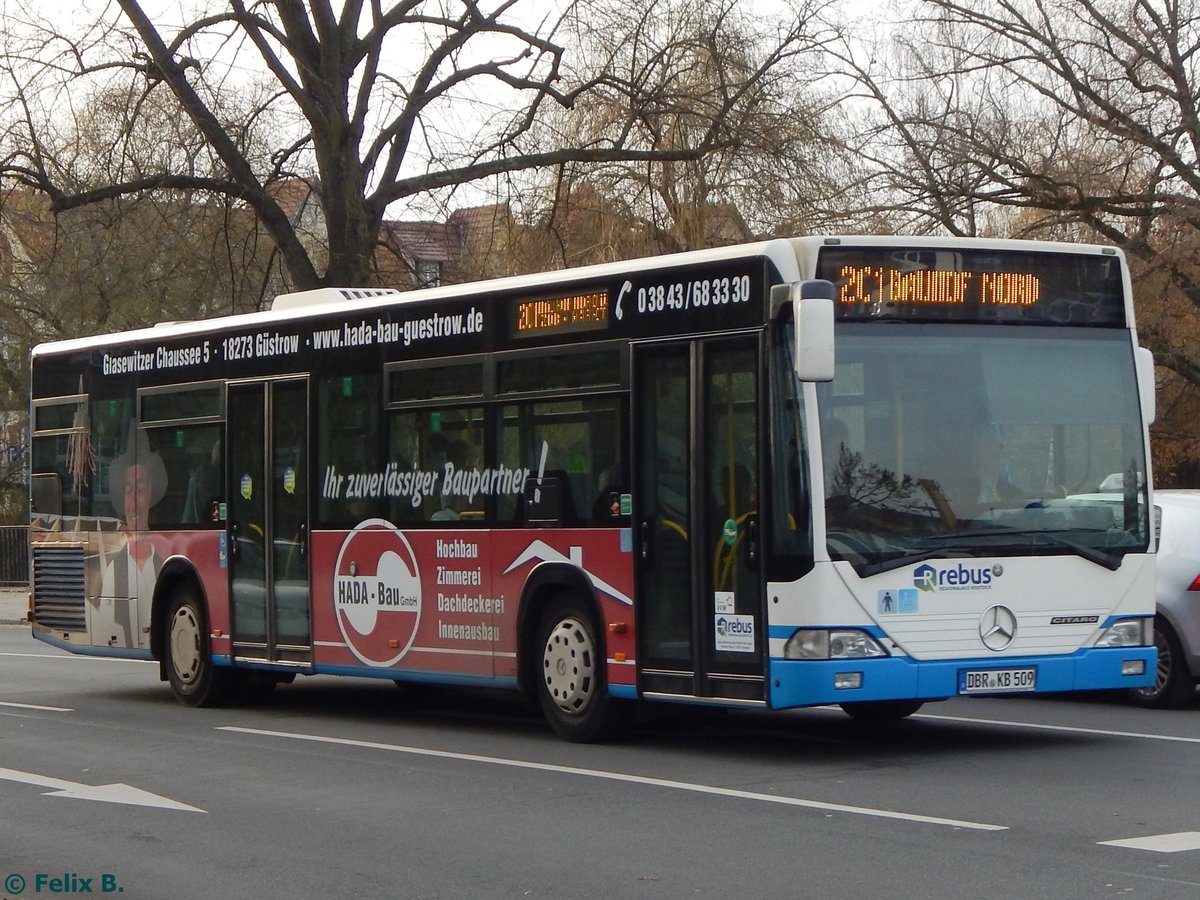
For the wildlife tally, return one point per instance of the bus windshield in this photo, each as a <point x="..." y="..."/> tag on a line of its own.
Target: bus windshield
<point x="981" y="440"/>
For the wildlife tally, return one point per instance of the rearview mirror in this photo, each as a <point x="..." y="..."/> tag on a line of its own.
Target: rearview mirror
<point x="812" y="307"/>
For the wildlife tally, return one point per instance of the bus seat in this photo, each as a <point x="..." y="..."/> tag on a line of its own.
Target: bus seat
<point x="548" y="500"/>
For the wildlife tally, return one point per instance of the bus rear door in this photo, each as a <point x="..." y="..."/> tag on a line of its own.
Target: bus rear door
<point x="268" y="520"/>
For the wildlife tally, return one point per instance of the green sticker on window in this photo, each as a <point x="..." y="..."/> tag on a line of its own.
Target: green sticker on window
<point x="730" y="532"/>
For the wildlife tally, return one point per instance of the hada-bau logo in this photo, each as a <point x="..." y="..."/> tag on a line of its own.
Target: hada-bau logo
<point x="955" y="578"/>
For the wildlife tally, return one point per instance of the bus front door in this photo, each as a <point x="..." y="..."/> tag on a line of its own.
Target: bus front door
<point x="268" y="520"/>
<point x="700" y="586"/>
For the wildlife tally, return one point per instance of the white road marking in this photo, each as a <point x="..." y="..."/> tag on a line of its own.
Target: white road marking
<point x="106" y="793"/>
<point x="81" y="657"/>
<point x="620" y="776"/>
<point x="1178" y="842"/>
<point x="35" y="706"/>
<point x="1067" y="729"/>
<point x="1161" y="843"/>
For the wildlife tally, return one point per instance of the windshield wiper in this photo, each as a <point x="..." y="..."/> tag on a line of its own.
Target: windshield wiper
<point x="1091" y="554"/>
<point x="1053" y="537"/>
<point x="911" y="559"/>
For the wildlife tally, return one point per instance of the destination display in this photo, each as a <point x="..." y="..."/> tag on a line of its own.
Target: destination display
<point x="960" y="285"/>
<point x="586" y="311"/>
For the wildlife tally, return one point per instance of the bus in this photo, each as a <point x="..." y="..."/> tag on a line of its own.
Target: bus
<point x="867" y="472"/>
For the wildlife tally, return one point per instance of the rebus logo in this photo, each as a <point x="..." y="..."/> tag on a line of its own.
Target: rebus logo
<point x="734" y="626"/>
<point x="957" y="577"/>
<point x="925" y="577"/>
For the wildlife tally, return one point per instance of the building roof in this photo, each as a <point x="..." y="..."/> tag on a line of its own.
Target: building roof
<point x="437" y="241"/>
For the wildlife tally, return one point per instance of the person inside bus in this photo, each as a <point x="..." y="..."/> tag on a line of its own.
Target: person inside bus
<point x="203" y="489"/>
<point x="973" y="475"/>
<point x="455" y="453"/>
<point x="137" y="481"/>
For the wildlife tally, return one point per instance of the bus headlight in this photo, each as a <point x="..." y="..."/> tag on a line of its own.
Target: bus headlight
<point x="832" y="643"/>
<point x="1128" y="633"/>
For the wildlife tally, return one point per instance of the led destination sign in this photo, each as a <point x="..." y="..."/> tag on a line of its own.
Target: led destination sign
<point x="957" y="285"/>
<point x="863" y="284"/>
<point x="585" y="311"/>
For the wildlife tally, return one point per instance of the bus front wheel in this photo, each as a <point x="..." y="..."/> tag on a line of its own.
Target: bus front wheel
<point x="571" y="687"/>
<point x="880" y="711"/>
<point x="194" y="679"/>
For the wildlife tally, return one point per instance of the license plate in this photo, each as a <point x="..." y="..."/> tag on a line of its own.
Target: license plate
<point x="996" y="681"/>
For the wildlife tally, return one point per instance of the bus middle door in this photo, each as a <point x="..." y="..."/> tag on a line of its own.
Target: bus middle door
<point x="700" y="584"/>
<point x="268" y="520"/>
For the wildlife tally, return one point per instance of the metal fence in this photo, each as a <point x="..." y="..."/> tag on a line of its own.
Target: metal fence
<point x="14" y="554"/>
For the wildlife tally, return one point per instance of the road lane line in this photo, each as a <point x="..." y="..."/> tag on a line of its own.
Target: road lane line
<point x="620" y="776"/>
<point x="35" y="706"/>
<point x="1179" y="842"/>
<point x="1066" y="729"/>
<point x="82" y="657"/>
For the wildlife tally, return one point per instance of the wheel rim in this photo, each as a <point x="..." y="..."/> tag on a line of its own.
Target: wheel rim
<point x="569" y="666"/>
<point x="1162" y="670"/>
<point x="185" y="646"/>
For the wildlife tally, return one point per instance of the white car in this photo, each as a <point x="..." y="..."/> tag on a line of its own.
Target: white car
<point x="1177" y="623"/>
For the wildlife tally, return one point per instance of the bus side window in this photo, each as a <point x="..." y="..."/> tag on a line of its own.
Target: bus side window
<point x="192" y="459"/>
<point x="577" y="448"/>
<point x="441" y="452"/>
<point x="347" y="443"/>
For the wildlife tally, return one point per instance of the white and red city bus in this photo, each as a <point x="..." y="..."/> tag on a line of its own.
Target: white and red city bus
<point x="867" y="471"/>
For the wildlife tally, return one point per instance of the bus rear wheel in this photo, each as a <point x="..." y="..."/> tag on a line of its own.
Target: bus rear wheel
<point x="571" y="688"/>
<point x="194" y="679"/>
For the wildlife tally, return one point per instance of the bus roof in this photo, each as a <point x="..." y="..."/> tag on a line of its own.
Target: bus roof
<point x="791" y="257"/>
<point x="780" y="252"/>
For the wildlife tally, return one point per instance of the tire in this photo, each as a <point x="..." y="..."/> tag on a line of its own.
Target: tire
<point x="571" y="689"/>
<point x="194" y="679"/>
<point x="878" y="712"/>
<point x="1173" y="683"/>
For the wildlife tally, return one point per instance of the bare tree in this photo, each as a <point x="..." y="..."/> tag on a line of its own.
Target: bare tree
<point x="1055" y="118"/>
<point x="121" y="260"/>
<point x="713" y="61"/>
<point x="374" y="104"/>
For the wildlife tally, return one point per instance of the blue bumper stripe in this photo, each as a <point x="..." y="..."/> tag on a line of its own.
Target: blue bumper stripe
<point x="810" y="682"/>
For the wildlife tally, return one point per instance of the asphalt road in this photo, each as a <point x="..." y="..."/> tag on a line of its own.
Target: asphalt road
<point x="353" y="788"/>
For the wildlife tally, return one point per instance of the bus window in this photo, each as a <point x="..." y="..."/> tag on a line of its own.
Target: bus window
<point x="437" y="456"/>
<point x="346" y="434"/>
<point x="578" y="445"/>
<point x="789" y="495"/>
<point x="110" y="427"/>
<point x="191" y="455"/>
